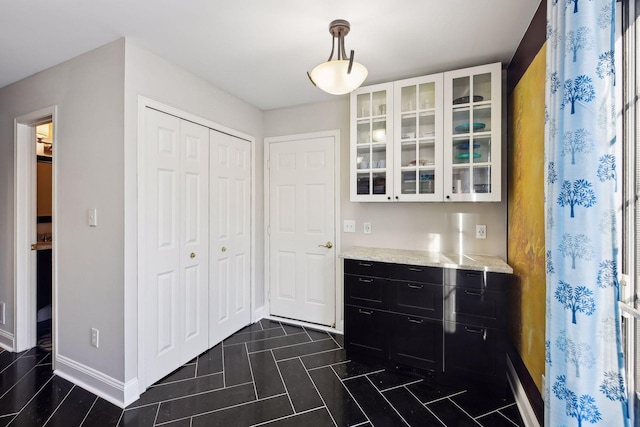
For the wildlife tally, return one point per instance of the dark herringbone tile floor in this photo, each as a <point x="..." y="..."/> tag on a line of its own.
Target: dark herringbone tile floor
<point x="267" y="374"/>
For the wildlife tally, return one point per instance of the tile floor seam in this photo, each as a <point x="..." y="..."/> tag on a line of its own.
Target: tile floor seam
<point x="89" y="411"/>
<point x="295" y="414"/>
<point x="120" y="418"/>
<point x="435" y="416"/>
<point x="192" y="395"/>
<point x="224" y="377"/>
<point x="334" y="340"/>
<point x="184" y="379"/>
<point x="195" y="371"/>
<point x="397" y="386"/>
<point x="509" y="418"/>
<point x="18" y="380"/>
<point x="277" y="348"/>
<point x="259" y="339"/>
<point x="307" y="332"/>
<point x="182" y="396"/>
<point x="350" y="394"/>
<point x="253" y="379"/>
<point x="155" y="419"/>
<point x="324" y="366"/>
<point x="463" y="410"/>
<point x="494" y="410"/>
<point x="302" y="343"/>
<point x="36" y="393"/>
<point x="164" y="423"/>
<point x="319" y="394"/>
<point x="60" y="404"/>
<point x="283" y="383"/>
<point x="387" y="400"/>
<point x="232" y="406"/>
<point x="359" y="375"/>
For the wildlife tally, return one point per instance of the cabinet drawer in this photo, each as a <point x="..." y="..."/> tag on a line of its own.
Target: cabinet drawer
<point x="415" y="273"/>
<point x="415" y="341"/>
<point x="478" y="307"/>
<point x="366" y="268"/>
<point x="419" y="299"/>
<point x="474" y="350"/>
<point x="365" y="291"/>
<point x="472" y="279"/>
<point x="366" y="332"/>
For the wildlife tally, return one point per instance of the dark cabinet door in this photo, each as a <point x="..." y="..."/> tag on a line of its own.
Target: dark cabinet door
<point x="415" y="341"/>
<point x="366" y="332"/>
<point x="474" y="350"/>
<point x="419" y="299"/>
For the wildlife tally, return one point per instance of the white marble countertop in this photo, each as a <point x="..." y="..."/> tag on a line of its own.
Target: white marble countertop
<point x="430" y="259"/>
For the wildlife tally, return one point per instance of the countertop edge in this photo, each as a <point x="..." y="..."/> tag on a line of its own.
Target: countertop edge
<point x="487" y="263"/>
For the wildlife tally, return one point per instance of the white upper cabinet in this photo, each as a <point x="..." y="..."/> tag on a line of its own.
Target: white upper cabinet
<point x="472" y="134"/>
<point x="372" y="143"/>
<point x="428" y="139"/>
<point x="417" y="166"/>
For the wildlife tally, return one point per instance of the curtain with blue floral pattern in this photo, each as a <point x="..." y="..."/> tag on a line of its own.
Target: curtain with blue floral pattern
<point x="584" y="383"/>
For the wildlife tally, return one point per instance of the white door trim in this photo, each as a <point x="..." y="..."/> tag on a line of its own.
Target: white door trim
<point x="338" y="266"/>
<point x="24" y="202"/>
<point x="143" y="103"/>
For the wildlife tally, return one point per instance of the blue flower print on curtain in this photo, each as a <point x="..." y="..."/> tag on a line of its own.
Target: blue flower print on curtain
<point x="583" y="357"/>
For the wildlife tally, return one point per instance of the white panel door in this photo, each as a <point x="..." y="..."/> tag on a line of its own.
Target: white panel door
<point x="302" y="229"/>
<point x="176" y="243"/>
<point x="230" y="284"/>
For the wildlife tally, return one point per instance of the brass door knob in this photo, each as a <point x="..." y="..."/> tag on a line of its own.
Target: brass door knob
<point x="192" y="255"/>
<point x="327" y="245"/>
<point x="224" y="249"/>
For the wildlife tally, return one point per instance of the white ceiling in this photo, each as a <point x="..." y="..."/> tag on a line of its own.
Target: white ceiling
<point x="260" y="50"/>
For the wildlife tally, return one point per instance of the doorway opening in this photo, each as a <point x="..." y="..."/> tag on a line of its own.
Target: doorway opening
<point x="44" y="234"/>
<point x="34" y="279"/>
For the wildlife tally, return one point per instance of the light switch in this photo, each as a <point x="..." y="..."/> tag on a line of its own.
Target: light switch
<point x="93" y="217"/>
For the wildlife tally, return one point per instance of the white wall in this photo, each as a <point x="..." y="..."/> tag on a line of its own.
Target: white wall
<point x="88" y="157"/>
<point x="447" y="227"/>
<point x="153" y="77"/>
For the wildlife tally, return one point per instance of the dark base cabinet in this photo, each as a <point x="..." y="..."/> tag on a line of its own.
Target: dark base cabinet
<point x="445" y="324"/>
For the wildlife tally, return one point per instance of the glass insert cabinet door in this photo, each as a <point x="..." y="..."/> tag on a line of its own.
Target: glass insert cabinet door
<point x="472" y="134"/>
<point x="371" y="152"/>
<point x="418" y="139"/>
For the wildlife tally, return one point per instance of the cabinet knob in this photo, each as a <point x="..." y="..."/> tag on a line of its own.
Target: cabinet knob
<point x="448" y="197"/>
<point x="397" y="197"/>
<point x="389" y="198"/>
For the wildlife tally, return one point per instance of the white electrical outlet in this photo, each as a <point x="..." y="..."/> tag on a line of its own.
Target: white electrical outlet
<point x="2" y="312"/>
<point x="95" y="337"/>
<point x="481" y="231"/>
<point x="367" y="228"/>
<point x="349" y="226"/>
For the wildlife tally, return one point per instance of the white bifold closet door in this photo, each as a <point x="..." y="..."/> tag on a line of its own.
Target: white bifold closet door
<point x="176" y="243"/>
<point x="230" y="255"/>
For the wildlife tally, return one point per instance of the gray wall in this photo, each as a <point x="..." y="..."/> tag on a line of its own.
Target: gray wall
<point x="89" y="154"/>
<point x="448" y="227"/>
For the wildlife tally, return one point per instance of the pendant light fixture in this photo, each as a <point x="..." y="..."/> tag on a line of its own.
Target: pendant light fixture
<point x="341" y="75"/>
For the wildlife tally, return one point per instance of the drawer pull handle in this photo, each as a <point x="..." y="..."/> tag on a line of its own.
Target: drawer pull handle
<point x="414" y="269"/>
<point x="473" y="293"/>
<point x="360" y="279"/>
<point x="474" y="330"/>
<point x="418" y="321"/>
<point x="365" y="264"/>
<point x="368" y="313"/>
<point x="473" y="274"/>
<point x="415" y="286"/>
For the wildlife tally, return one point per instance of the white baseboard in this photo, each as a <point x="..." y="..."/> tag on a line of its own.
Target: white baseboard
<point x="524" y="406"/>
<point x="110" y="389"/>
<point x="258" y="314"/>
<point x="7" y="340"/>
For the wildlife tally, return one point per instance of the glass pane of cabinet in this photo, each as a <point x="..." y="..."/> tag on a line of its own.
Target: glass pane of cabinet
<point x="472" y="130"/>
<point x="371" y="136"/>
